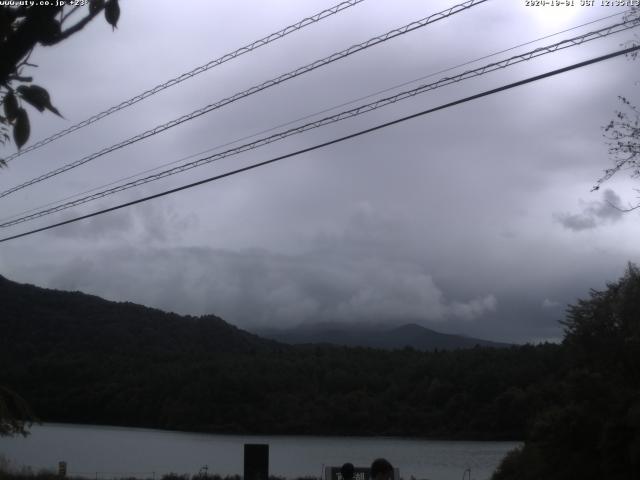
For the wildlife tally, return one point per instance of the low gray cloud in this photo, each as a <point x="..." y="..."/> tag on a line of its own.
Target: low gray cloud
<point x="254" y="287"/>
<point x="148" y="222"/>
<point x="446" y="220"/>
<point x="369" y="267"/>
<point x="362" y="273"/>
<point x="593" y="214"/>
<point x="547" y="303"/>
<point x="111" y="227"/>
<point x="475" y="308"/>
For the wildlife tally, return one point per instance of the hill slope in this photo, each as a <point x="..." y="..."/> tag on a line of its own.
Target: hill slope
<point x="81" y="359"/>
<point x="48" y="319"/>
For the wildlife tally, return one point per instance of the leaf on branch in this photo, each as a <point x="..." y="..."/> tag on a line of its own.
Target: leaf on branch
<point x="3" y="163"/>
<point x="38" y="97"/>
<point x="21" y="128"/>
<point x="49" y="32"/>
<point x="95" y="6"/>
<point x="112" y="13"/>
<point x="20" y="78"/>
<point x="10" y="106"/>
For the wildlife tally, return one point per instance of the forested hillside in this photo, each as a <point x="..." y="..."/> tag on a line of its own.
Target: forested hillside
<point x="591" y="430"/>
<point x="78" y="358"/>
<point x="38" y="322"/>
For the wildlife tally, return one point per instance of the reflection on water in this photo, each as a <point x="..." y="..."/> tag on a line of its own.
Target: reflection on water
<point x="115" y="451"/>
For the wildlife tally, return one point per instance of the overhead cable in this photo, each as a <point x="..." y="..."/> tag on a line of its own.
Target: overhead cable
<point x="270" y="83"/>
<point x="308" y="116"/>
<point x="334" y="141"/>
<point x="332" y="119"/>
<point x="196" y="71"/>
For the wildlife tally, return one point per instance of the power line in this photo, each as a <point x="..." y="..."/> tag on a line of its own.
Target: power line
<point x="334" y="118"/>
<point x="334" y="141"/>
<point x="338" y="117"/>
<point x="269" y="83"/>
<point x="196" y="71"/>
<point x="315" y="114"/>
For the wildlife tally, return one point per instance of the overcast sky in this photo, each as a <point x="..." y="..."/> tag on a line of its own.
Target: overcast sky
<point x="477" y="219"/>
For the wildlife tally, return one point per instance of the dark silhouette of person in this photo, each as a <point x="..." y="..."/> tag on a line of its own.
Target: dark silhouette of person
<point x="381" y="469"/>
<point x="347" y="471"/>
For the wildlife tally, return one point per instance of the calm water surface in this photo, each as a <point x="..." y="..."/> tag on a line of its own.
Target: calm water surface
<point x="115" y="451"/>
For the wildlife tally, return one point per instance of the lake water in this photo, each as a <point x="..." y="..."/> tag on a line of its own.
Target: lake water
<point x="109" y="452"/>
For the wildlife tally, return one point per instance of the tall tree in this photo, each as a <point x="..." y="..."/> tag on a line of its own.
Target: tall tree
<point x="622" y="133"/>
<point x="593" y="429"/>
<point x="22" y="28"/>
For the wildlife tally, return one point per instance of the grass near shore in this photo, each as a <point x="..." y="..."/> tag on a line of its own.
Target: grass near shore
<point x="26" y="473"/>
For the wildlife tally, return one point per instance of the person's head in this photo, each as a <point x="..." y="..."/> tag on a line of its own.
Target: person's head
<point x="381" y="469"/>
<point x="347" y="471"/>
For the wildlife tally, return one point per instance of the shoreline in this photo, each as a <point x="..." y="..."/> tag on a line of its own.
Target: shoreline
<point x="499" y="439"/>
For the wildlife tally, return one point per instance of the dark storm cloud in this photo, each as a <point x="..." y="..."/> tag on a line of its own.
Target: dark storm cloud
<point x="548" y="303"/>
<point x="108" y="227"/>
<point x="255" y="287"/>
<point x="594" y="213"/>
<point x="150" y="223"/>
<point x="446" y="220"/>
<point x="367" y="272"/>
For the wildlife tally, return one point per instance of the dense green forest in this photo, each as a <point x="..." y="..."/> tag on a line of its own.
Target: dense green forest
<point x="592" y="428"/>
<point x="468" y="394"/>
<point x="78" y="358"/>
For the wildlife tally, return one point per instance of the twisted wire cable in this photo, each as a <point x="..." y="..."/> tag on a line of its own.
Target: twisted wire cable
<point x="270" y="83"/>
<point x="362" y="109"/>
<point x="196" y="71"/>
<point x="312" y="115"/>
<point x="477" y="96"/>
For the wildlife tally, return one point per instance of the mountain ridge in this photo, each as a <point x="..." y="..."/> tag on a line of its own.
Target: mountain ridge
<point x="78" y="358"/>
<point x="388" y="337"/>
<point x="59" y="314"/>
<point x="48" y="317"/>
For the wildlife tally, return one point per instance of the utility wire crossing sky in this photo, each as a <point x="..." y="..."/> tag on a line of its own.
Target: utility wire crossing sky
<point x="575" y="41"/>
<point x="196" y="71"/>
<point x="478" y="220"/>
<point x="255" y="89"/>
<point x="341" y="139"/>
<point x="572" y="42"/>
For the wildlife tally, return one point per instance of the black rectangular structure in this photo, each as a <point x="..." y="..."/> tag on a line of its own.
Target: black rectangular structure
<point x="256" y="461"/>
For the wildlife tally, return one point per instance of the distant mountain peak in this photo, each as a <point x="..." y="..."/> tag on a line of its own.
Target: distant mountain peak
<point x="375" y="336"/>
<point x="412" y="328"/>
